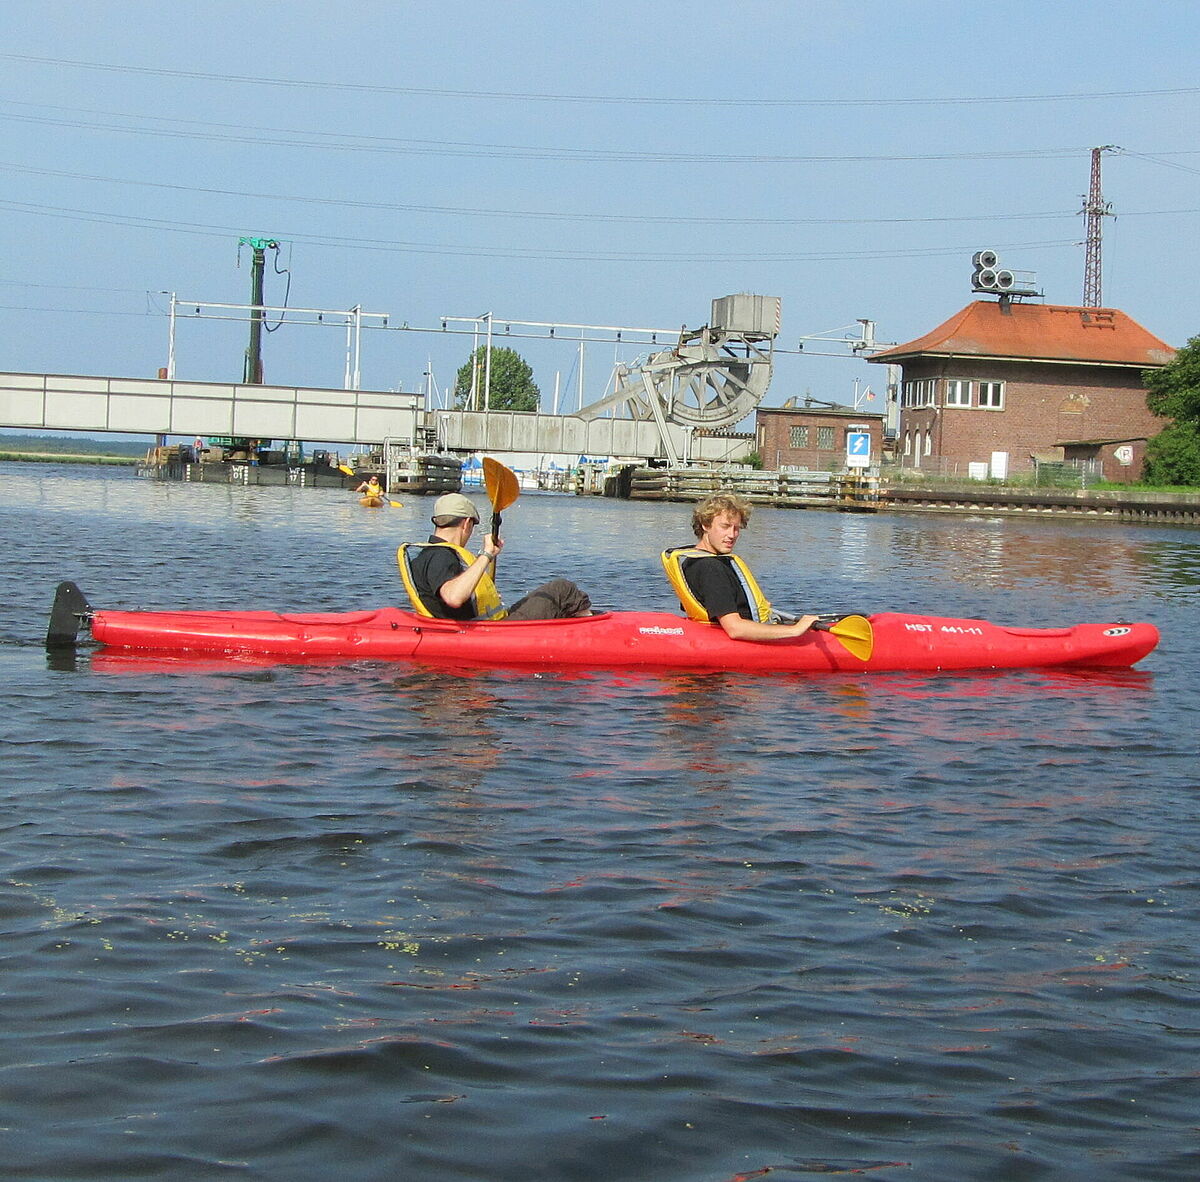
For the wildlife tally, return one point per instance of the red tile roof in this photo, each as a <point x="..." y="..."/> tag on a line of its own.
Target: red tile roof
<point x="1039" y="332"/>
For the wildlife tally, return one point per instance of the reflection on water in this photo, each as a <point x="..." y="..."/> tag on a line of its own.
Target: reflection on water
<point x="380" y="920"/>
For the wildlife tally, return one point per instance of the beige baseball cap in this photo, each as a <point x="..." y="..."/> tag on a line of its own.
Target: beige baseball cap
<point x="453" y="506"/>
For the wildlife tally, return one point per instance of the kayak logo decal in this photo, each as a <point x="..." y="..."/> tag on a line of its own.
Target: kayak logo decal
<point x="1121" y="631"/>
<point x="655" y="630"/>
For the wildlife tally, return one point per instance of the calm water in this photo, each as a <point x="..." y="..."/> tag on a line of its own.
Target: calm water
<point x="385" y="921"/>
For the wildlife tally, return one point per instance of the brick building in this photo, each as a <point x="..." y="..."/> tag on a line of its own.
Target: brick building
<point x="1120" y="460"/>
<point x="813" y="437"/>
<point x="1001" y="382"/>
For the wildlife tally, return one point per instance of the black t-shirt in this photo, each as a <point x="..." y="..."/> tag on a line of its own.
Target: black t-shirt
<point x="715" y="583"/>
<point x="432" y="567"/>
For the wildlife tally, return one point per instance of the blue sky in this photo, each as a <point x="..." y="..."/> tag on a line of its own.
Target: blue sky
<point x="602" y="163"/>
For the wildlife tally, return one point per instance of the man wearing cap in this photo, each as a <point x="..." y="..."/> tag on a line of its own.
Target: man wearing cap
<point x="455" y="584"/>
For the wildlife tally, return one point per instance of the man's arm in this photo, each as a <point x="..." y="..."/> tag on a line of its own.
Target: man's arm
<point x="458" y="590"/>
<point x="738" y="628"/>
<point x="716" y="586"/>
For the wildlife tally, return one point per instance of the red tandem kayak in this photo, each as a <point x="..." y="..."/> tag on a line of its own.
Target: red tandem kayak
<point x="620" y="640"/>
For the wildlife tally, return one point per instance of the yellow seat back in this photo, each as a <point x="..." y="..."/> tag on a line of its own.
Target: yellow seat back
<point x="673" y="560"/>
<point x="488" y="605"/>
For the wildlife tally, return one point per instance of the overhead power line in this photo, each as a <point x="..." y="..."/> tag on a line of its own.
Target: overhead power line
<point x="1158" y="159"/>
<point x="643" y="100"/>
<point x="342" y="142"/>
<point x="536" y="214"/>
<point x="491" y="251"/>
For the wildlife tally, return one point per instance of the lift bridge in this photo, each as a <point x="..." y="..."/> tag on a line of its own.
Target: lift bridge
<point x="678" y="402"/>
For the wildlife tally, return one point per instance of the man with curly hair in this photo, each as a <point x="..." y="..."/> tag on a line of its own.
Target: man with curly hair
<point x="720" y="584"/>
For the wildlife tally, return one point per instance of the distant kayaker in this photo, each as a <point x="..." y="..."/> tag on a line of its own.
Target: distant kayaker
<point x="455" y="584"/>
<point x="714" y="584"/>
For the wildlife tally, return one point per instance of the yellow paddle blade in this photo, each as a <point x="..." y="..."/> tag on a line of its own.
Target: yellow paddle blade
<point x="343" y="468"/>
<point x="855" y="635"/>
<point x="502" y="484"/>
<point x="396" y="504"/>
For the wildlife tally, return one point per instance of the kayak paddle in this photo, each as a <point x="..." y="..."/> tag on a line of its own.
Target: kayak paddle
<point x="853" y="632"/>
<point x="503" y="488"/>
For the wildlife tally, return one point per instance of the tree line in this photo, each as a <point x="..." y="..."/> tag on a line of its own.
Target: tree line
<point x="57" y="445"/>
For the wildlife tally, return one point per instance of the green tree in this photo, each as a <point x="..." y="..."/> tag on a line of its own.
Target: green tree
<point x="1174" y="389"/>
<point x="1173" y="392"/>
<point x="512" y="384"/>
<point x="1173" y="456"/>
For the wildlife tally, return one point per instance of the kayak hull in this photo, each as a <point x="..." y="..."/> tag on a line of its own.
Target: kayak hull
<point x="621" y="640"/>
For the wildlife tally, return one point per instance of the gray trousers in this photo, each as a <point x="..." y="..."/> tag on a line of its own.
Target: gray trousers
<point x="551" y="601"/>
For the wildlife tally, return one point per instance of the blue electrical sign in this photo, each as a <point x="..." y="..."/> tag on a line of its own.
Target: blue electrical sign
<point x="858" y="449"/>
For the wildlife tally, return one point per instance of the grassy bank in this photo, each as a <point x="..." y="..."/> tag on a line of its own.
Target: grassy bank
<point x="35" y="457"/>
<point x="70" y="449"/>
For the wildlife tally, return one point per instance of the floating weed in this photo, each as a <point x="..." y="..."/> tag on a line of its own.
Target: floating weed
<point x="399" y="942"/>
<point x="910" y="907"/>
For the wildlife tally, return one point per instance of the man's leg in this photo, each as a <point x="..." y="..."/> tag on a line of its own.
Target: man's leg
<point x="554" y="600"/>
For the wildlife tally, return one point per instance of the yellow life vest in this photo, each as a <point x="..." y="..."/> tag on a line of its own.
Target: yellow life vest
<point x="486" y="599"/>
<point x="672" y="561"/>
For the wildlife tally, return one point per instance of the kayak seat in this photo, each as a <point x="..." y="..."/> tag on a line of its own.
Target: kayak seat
<point x="485" y="603"/>
<point x="406" y="577"/>
<point x="674" y="561"/>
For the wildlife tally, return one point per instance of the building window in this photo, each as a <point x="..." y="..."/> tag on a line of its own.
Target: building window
<point x="991" y="395"/>
<point x="958" y="393"/>
<point x="798" y="437"/>
<point x="825" y="438"/>
<point x="907" y="444"/>
<point x="917" y="394"/>
<point x="928" y="443"/>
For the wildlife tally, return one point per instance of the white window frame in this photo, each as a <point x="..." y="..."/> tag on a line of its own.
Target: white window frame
<point x="990" y="395"/>
<point x="918" y="393"/>
<point x="958" y="392"/>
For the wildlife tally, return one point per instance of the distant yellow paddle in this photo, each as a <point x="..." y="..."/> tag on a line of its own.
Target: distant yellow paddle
<point x="351" y="472"/>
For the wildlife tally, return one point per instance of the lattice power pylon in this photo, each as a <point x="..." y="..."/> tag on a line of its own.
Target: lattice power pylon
<point x="1095" y="209"/>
